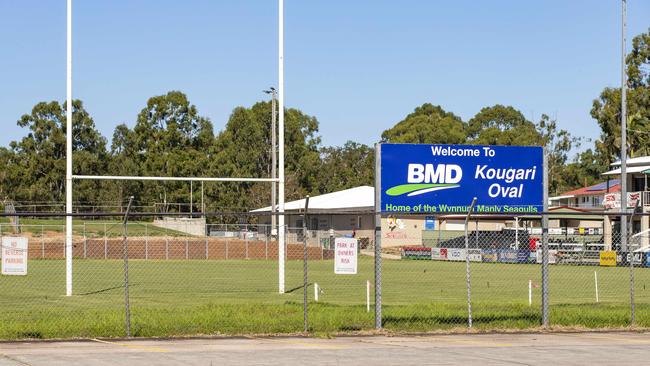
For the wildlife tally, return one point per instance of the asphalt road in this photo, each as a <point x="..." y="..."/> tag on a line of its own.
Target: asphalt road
<point x="485" y="349"/>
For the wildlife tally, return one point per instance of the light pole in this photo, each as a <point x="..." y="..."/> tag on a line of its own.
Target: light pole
<point x="274" y="163"/>
<point x="624" y="246"/>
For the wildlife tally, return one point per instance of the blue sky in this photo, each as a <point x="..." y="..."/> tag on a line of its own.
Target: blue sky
<point x="358" y="66"/>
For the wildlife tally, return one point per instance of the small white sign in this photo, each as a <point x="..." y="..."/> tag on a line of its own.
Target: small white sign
<point x="552" y="256"/>
<point x="345" y="256"/>
<point x="454" y="254"/>
<point x="14" y="255"/>
<point x="474" y="255"/>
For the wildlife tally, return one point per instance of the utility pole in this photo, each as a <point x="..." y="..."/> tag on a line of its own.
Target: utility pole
<point x="624" y="246"/>
<point x="274" y="162"/>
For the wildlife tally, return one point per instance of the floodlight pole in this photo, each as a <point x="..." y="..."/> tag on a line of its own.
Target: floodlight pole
<point x="274" y="162"/>
<point x="281" y="228"/>
<point x="68" y="155"/>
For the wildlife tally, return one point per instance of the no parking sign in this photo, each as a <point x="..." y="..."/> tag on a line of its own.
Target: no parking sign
<point x="14" y="255"/>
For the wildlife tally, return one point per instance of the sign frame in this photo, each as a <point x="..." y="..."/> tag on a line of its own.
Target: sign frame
<point x="438" y="178"/>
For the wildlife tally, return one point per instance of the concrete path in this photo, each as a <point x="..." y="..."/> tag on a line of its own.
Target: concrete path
<point x="489" y="349"/>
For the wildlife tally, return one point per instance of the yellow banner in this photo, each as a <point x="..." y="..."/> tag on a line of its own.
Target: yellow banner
<point x="608" y="258"/>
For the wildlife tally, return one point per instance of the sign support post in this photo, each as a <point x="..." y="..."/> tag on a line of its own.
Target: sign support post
<point x="378" y="322"/>
<point x="545" y="321"/>
<point x="304" y="266"/>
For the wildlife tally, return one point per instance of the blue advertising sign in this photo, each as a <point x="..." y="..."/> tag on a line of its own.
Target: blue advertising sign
<point x="444" y="178"/>
<point x="508" y="256"/>
<point x="429" y="223"/>
<point x="490" y="255"/>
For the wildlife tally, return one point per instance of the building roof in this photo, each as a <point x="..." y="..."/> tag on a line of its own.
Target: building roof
<point x="596" y="189"/>
<point x="629" y="170"/>
<point x="641" y="160"/>
<point x="348" y="200"/>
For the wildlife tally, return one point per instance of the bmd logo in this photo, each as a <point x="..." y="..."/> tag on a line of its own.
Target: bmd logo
<point x="424" y="178"/>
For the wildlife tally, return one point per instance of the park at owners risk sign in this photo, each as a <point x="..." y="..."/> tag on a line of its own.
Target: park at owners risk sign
<point x="14" y="255"/>
<point x="345" y="256"/>
<point x="420" y="178"/>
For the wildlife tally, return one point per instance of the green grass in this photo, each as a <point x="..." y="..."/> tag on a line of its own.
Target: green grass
<point x="90" y="228"/>
<point x="176" y="298"/>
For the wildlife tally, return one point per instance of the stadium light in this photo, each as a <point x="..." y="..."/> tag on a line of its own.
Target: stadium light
<point x="274" y="163"/>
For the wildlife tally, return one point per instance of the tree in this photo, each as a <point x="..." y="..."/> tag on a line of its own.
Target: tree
<point x="37" y="161"/>
<point x="243" y="149"/>
<point x="558" y="143"/>
<point x="606" y="110"/>
<point x="428" y="124"/>
<point x="502" y="125"/>
<point x="169" y="138"/>
<point x="347" y="166"/>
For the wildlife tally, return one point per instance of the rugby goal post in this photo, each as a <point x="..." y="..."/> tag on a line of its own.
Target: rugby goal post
<point x="69" y="177"/>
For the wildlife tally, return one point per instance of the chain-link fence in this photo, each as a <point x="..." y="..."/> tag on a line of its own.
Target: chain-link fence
<point x="223" y="278"/>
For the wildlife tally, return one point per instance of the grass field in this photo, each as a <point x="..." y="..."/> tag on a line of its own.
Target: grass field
<point x="90" y="228"/>
<point x="239" y="297"/>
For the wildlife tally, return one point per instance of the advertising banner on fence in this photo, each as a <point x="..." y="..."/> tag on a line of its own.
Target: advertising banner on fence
<point x="608" y="258"/>
<point x="421" y="178"/>
<point x="474" y="255"/>
<point x="508" y="255"/>
<point x="345" y="256"/>
<point x="490" y="255"/>
<point x="14" y="255"/>
<point x="552" y="256"/>
<point x="439" y="253"/>
<point x="623" y="258"/>
<point x="454" y="254"/>
<point x="416" y="253"/>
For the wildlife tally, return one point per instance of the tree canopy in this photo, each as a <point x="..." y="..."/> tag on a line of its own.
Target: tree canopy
<point x="170" y="137"/>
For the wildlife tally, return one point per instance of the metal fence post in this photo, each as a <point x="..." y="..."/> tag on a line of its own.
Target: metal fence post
<point x="105" y="243"/>
<point x="304" y="266"/>
<point x="127" y="308"/>
<point x="630" y="253"/>
<point x="266" y="243"/>
<point x="42" y="242"/>
<point x="467" y="267"/>
<point x="378" y="320"/>
<point x="166" y="245"/>
<point x="545" y="314"/>
<point x="146" y="241"/>
<point x="85" y="241"/>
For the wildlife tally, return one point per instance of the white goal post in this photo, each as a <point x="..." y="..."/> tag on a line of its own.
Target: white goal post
<point x="69" y="176"/>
